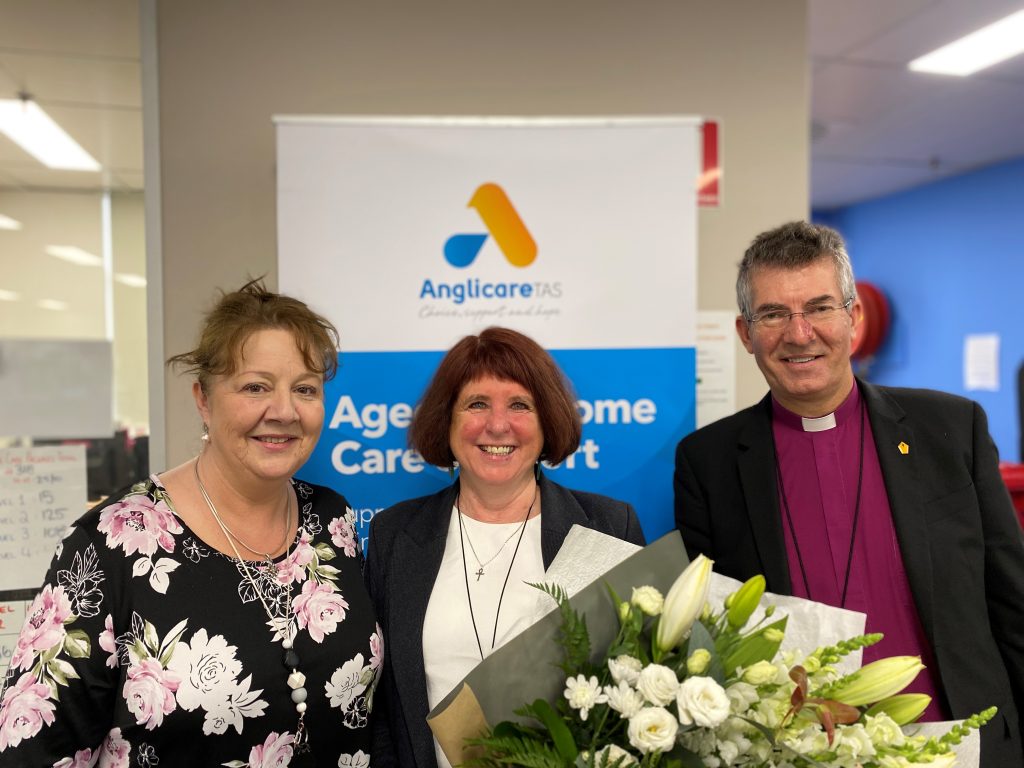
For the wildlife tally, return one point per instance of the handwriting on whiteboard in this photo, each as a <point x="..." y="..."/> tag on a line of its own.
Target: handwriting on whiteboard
<point x="42" y="491"/>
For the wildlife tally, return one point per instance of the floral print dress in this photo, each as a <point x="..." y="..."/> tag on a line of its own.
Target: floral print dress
<point x="146" y="647"/>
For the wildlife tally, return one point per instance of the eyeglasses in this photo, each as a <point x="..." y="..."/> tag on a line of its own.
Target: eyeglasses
<point x="818" y="316"/>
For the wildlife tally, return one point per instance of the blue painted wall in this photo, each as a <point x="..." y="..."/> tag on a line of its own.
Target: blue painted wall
<point x="950" y="258"/>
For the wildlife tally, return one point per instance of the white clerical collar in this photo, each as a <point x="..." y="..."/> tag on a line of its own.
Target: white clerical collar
<point x="821" y="424"/>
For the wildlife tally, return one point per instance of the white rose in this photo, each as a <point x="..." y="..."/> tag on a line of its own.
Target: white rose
<point x="702" y="701"/>
<point x="648" y="599"/>
<point x="625" y="669"/>
<point x="762" y="673"/>
<point x="624" y="699"/>
<point x="652" y="729"/>
<point x="658" y="684"/>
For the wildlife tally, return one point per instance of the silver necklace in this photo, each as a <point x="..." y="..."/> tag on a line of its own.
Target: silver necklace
<point x="296" y="680"/>
<point x="480" y="568"/>
<point x="265" y="555"/>
<point x="501" y="596"/>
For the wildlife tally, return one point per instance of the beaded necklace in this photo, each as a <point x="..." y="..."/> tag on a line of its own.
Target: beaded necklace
<point x="296" y="680"/>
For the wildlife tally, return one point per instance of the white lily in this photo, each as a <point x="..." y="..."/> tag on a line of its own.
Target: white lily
<point x="683" y="604"/>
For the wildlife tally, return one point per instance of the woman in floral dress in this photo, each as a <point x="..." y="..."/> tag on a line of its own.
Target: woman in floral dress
<point x="214" y="614"/>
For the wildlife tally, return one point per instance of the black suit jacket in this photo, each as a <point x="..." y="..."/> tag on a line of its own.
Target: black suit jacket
<point x="959" y="537"/>
<point x="404" y="556"/>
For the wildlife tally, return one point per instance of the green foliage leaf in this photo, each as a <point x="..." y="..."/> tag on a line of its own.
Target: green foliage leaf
<point x="167" y="648"/>
<point x="50" y="653"/>
<point x="754" y="648"/>
<point x="324" y="551"/>
<point x="326" y="572"/>
<point x="60" y="671"/>
<point x="767" y="732"/>
<point x="515" y="750"/>
<point x="560" y="733"/>
<point x="77" y="644"/>
<point x="366" y="675"/>
<point x="614" y="595"/>
<point x="152" y="639"/>
<point x="572" y="635"/>
<point x="141" y="652"/>
<point x="508" y="729"/>
<point x="683" y="758"/>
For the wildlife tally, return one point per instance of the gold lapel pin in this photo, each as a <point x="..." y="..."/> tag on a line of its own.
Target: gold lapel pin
<point x="904" y="448"/>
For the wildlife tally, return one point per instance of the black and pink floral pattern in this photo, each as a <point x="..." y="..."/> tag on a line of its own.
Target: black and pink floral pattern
<point x="147" y="647"/>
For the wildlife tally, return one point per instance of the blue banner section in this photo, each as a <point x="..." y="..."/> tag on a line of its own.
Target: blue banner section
<point x="636" y="404"/>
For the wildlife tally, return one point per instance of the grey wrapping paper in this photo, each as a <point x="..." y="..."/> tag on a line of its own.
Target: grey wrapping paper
<point x="526" y="668"/>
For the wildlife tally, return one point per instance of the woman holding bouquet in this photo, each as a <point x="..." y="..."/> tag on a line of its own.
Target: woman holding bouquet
<point x="449" y="573"/>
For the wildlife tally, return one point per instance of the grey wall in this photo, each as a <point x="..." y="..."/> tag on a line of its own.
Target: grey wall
<point x="225" y="67"/>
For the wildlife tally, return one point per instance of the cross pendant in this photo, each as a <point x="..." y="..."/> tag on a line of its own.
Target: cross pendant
<point x="479" y="572"/>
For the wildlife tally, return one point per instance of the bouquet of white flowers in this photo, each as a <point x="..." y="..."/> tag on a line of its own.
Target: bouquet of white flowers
<point x="685" y="685"/>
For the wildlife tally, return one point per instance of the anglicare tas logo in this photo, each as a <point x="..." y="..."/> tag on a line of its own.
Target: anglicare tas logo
<point x="503" y="224"/>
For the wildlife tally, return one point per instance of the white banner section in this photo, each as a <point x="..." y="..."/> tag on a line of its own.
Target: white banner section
<point x="411" y="233"/>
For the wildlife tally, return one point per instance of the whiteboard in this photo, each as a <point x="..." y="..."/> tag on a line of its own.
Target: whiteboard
<point x="42" y="491"/>
<point x="56" y="388"/>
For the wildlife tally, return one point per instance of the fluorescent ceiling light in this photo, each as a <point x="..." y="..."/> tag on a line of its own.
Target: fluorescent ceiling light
<point x="127" y="278"/>
<point x="6" y="222"/>
<point x="54" y="304"/>
<point x="989" y="45"/>
<point x="36" y="132"/>
<point x="75" y="255"/>
<point x="6" y="295"/>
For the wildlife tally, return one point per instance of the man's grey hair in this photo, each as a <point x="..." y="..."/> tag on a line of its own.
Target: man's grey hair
<point x="792" y="246"/>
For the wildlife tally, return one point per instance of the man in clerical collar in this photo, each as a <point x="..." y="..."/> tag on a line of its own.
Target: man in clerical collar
<point x="881" y="500"/>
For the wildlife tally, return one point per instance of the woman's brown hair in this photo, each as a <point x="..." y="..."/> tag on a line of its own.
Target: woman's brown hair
<point x="239" y="314"/>
<point x="508" y="355"/>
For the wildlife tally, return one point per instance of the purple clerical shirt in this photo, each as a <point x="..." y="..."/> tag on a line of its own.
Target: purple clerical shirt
<point x="819" y="461"/>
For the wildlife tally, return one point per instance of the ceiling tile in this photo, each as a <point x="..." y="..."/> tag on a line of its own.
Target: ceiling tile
<point x="838" y="26"/>
<point x="940" y="23"/>
<point x="97" y="27"/>
<point x="857" y="94"/>
<point x="44" y="178"/>
<point x="77" y="80"/>
<point x="112" y="136"/>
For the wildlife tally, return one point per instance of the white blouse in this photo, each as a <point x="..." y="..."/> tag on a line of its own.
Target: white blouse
<point x="450" y="647"/>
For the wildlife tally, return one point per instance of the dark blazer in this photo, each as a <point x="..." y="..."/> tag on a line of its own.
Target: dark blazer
<point x="959" y="536"/>
<point x="405" y="550"/>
